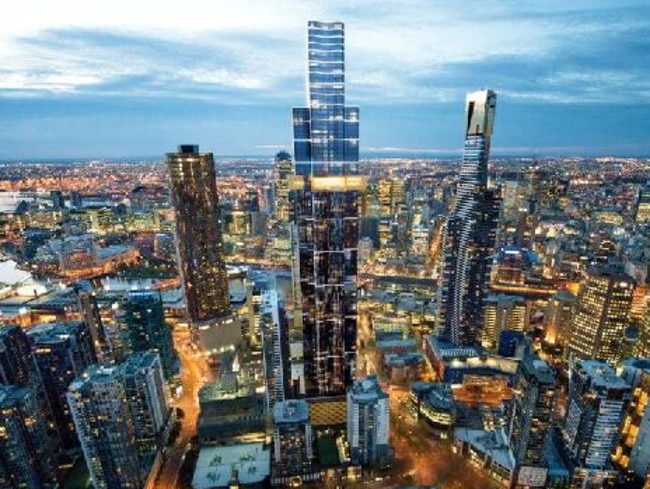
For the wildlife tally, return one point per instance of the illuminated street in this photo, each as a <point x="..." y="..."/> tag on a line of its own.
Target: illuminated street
<point x="194" y="373"/>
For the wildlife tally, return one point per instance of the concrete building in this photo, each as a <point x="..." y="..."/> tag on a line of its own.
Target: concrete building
<point x="503" y="313"/>
<point x="292" y="439"/>
<point x="368" y="421"/>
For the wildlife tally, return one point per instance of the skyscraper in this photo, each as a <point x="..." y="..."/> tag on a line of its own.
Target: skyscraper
<point x="62" y="352"/>
<point x="292" y="438"/>
<point x="601" y="315"/>
<point x="470" y="230"/>
<point x="144" y="385"/>
<point x="26" y="459"/>
<point x="104" y="424"/>
<point x="325" y="189"/>
<point x="596" y="404"/>
<point x="198" y="234"/>
<point x="148" y="330"/>
<point x="535" y="394"/>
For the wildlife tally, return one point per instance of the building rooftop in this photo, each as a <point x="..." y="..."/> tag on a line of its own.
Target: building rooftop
<point x="492" y="443"/>
<point x="602" y="374"/>
<point x="216" y="466"/>
<point x="367" y="389"/>
<point x="293" y="411"/>
<point x="539" y="369"/>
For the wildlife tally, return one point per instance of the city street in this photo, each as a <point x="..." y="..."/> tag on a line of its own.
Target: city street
<point x="194" y="373"/>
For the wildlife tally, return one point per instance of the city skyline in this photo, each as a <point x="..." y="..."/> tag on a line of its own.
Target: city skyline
<point x="572" y="80"/>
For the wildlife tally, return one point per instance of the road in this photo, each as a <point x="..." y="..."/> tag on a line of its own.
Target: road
<point x="194" y="373"/>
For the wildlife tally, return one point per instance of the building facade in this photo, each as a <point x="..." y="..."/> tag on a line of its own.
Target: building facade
<point x="368" y="421"/>
<point x="597" y="401"/>
<point x="470" y="230"/>
<point x="601" y="316"/>
<point x="26" y="457"/>
<point x="104" y="425"/>
<point x="324" y="191"/>
<point x="534" y="401"/>
<point x="62" y="352"/>
<point x="198" y="233"/>
<point x="148" y="330"/>
<point x="292" y="438"/>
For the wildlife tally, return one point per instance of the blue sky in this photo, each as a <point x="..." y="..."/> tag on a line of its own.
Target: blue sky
<point x="129" y="78"/>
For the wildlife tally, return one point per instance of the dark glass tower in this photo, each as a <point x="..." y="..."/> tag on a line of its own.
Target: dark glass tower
<point x="198" y="235"/>
<point x="145" y="319"/>
<point x="470" y="230"/>
<point x="324" y="192"/>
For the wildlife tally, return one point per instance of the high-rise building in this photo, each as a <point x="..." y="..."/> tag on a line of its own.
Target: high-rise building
<point x="368" y="421"/>
<point x="18" y="367"/>
<point x="282" y="171"/>
<point x="601" y="315"/>
<point x="62" y="352"/>
<point x="632" y="453"/>
<point x="26" y="457"/>
<point x="91" y="314"/>
<point x="535" y="394"/>
<point x="503" y="313"/>
<point x="597" y="401"/>
<point x="104" y="425"/>
<point x="292" y="438"/>
<point x="470" y="230"/>
<point x="558" y="317"/>
<point x="148" y="330"/>
<point x="325" y="190"/>
<point x="144" y="386"/>
<point x="198" y="233"/>
<point x="275" y="336"/>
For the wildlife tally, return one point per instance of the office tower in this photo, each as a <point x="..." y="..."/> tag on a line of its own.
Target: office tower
<point x="89" y="311"/>
<point x="597" y="400"/>
<point x="601" y="315"/>
<point x="292" y="438"/>
<point x="326" y="186"/>
<point x="198" y="233"/>
<point x="148" y="330"/>
<point x="642" y="213"/>
<point x="503" y="313"/>
<point x="275" y="336"/>
<point x="534" y="398"/>
<point x="62" y="352"/>
<point x="470" y="230"/>
<point x="368" y="421"/>
<point x="558" y="317"/>
<point x="144" y="386"/>
<point x="26" y="457"/>
<point x="282" y="171"/>
<point x="632" y="454"/>
<point x="104" y="425"/>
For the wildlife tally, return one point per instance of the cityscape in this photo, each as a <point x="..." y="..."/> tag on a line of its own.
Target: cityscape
<point x="326" y="315"/>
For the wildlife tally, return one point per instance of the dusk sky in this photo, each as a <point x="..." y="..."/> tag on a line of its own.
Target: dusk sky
<point x="126" y="78"/>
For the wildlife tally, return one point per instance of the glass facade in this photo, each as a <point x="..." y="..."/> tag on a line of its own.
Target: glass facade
<point x="198" y="235"/>
<point x="324" y="193"/>
<point x="470" y="230"/>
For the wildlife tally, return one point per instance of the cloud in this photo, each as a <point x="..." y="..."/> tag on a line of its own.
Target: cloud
<point x="407" y="51"/>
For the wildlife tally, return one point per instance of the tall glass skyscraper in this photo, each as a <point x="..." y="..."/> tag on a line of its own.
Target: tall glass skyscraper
<point x="470" y="230"/>
<point x="198" y="235"/>
<point x="324" y="192"/>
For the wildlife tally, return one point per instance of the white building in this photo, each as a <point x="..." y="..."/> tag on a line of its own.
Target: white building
<point x="368" y="421"/>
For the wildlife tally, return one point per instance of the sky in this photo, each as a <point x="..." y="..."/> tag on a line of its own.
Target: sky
<point x="128" y="78"/>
